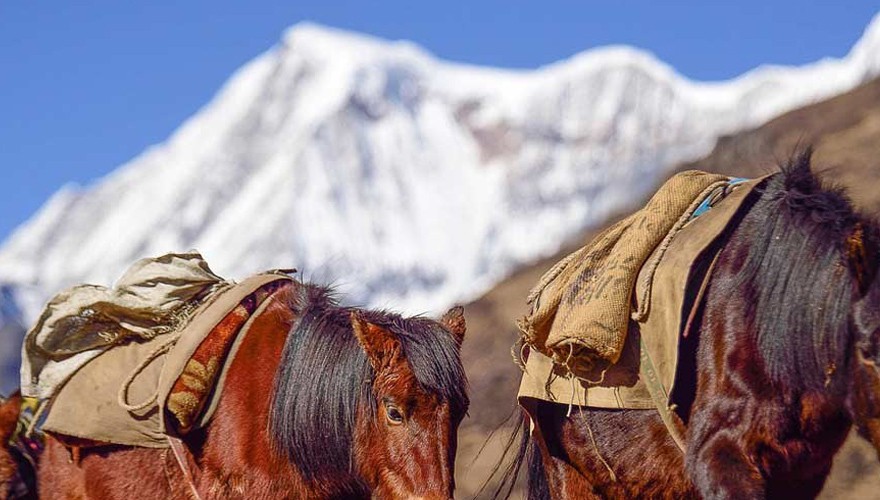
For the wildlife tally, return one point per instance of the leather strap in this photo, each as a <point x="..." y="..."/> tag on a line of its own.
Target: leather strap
<point x="179" y="450"/>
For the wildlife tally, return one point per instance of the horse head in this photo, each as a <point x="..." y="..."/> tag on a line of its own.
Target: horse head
<point x="368" y="402"/>
<point x="407" y="449"/>
<point x="837" y="299"/>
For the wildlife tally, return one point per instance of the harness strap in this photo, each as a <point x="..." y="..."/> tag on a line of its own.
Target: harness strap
<point x="659" y="395"/>
<point x="649" y="374"/>
<point x="179" y="450"/>
<point x="692" y="315"/>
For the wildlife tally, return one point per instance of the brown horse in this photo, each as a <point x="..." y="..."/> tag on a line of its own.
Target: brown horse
<point x="321" y="401"/>
<point x="786" y="357"/>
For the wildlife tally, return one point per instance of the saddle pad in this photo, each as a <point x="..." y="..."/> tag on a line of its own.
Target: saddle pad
<point x="669" y="271"/>
<point x="159" y="373"/>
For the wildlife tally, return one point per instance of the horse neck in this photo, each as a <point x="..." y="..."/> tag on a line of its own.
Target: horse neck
<point x="796" y="417"/>
<point x="238" y="451"/>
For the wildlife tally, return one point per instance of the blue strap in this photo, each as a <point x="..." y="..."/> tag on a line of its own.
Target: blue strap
<point x="703" y="208"/>
<point x="707" y="203"/>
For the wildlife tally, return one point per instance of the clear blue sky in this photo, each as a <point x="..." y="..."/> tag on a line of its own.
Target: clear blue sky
<point x="85" y="86"/>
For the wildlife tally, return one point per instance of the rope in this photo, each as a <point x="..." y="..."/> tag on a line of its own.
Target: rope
<point x="571" y="373"/>
<point x="179" y="451"/>
<point x="582" y="404"/>
<point x="598" y="453"/>
<point x="122" y="395"/>
<point x="518" y="353"/>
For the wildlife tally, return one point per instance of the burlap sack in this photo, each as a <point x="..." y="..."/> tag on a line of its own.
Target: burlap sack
<point x="582" y="306"/>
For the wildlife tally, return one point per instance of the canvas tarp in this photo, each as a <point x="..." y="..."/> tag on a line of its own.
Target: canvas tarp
<point x="153" y="298"/>
<point x="88" y="405"/>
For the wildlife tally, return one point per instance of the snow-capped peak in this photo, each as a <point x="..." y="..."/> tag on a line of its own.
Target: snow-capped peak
<point x="413" y="182"/>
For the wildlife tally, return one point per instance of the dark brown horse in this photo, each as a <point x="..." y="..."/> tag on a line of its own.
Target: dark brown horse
<point x="786" y="354"/>
<point x="321" y="401"/>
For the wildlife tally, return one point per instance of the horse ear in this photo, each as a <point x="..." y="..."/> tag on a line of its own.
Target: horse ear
<point x="377" y="342"/>
<point x="454" y="321"/>
<point x="861" y="263"/>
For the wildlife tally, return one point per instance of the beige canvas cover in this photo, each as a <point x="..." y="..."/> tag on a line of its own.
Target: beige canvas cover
<point x="154" y="297"/>
<point x="662" y="286"/>
<point x="87" y="405"/>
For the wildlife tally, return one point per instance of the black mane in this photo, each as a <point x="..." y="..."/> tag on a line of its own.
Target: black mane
<point x="324" y="377"/>
<point x="799" y="286"/>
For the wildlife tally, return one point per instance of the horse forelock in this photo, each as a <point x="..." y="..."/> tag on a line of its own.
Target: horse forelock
<point x="432" y="353"/>
<point x="797" y="270"/>
<point x="324" y="381"/>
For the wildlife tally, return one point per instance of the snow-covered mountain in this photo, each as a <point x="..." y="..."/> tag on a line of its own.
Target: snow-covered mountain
<point x="411" y="182"/>
<point x="11" y="332"/>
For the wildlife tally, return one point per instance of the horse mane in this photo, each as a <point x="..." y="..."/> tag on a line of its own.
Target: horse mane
<point x="798" y="283"/>
<point x="324" y="379"/>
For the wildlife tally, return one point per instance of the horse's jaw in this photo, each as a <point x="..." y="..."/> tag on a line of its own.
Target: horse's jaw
<point x="863" y="401"/>
<point x="870" y="430"/>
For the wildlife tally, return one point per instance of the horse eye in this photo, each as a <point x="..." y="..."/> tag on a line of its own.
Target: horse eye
<point x="394" y="415"/>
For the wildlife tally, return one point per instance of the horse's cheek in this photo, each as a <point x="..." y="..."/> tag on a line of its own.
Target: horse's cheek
<point x="393" y="462"/>
<point x="370" y="451"/>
